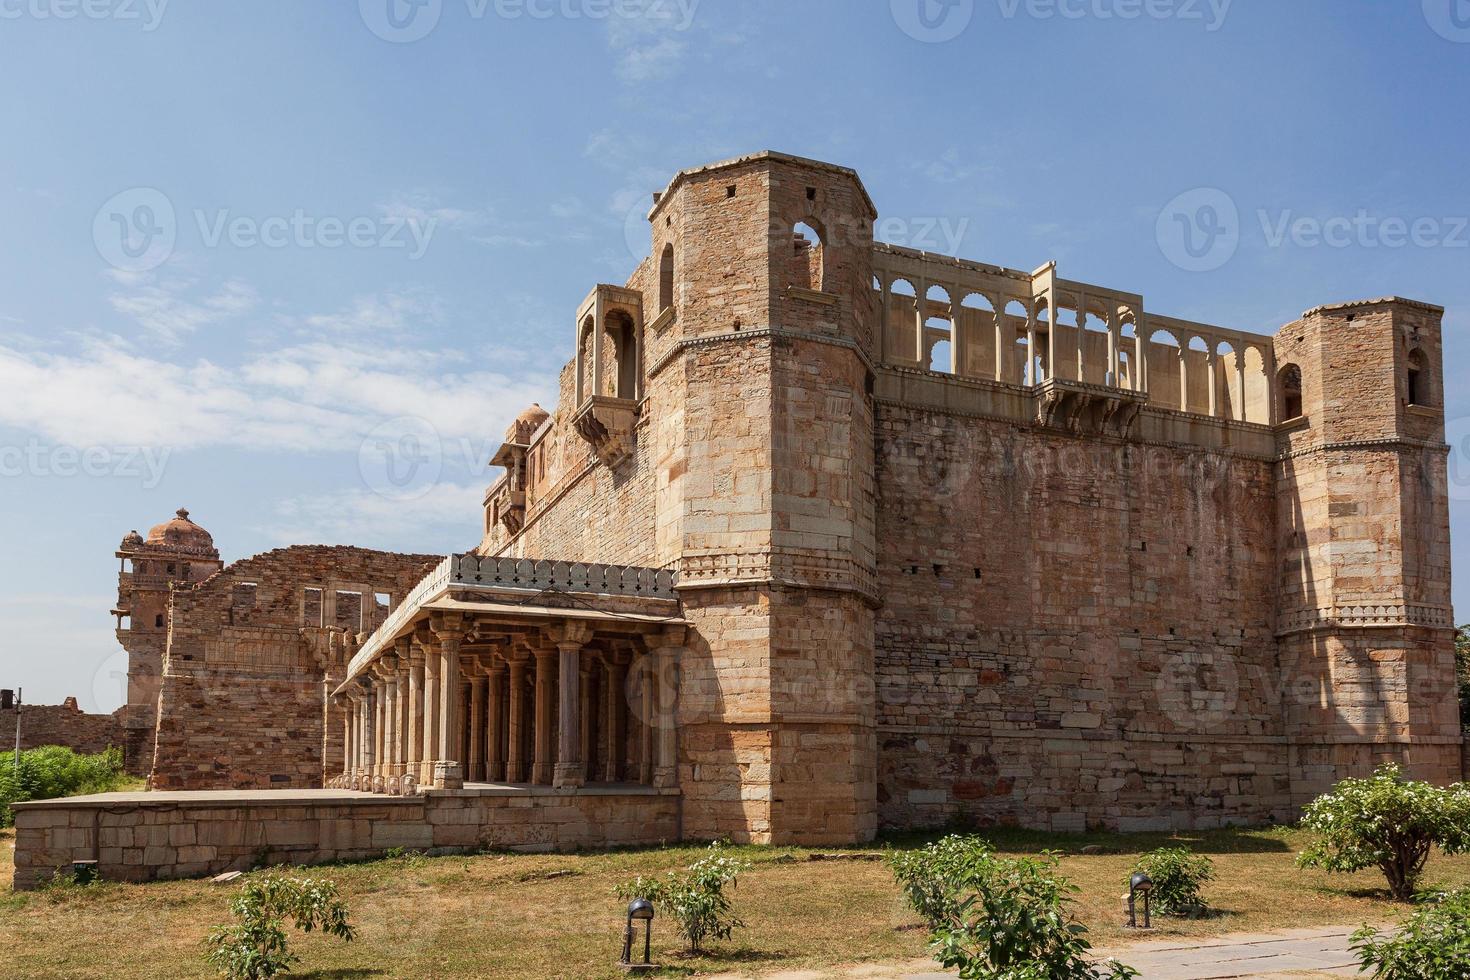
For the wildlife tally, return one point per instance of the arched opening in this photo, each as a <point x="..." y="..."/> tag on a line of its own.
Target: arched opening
<point x="666" y="278"/>
<point x="1011" y="327"/>
<point x="622" y="379"/>
<point x="807" y="257"/>
<point x="939" y="332"/>
<point x="1417" y="388"/>
<point x="1037" y="366"/>
<point x="1228" y="378"/>
<point x="584" y="359"/>
<point x="1257" y="387"/>
<point x="1289" y="380"/>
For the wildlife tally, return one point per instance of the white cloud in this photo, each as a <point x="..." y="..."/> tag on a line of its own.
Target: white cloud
<point x="371" y="520"/>
<point x="165" y="309"/>
<point x="651" y="43"/>
<point x="314" y="397"/>
<point x="379" y="315"/>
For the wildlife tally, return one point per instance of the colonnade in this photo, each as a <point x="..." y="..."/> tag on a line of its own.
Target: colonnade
<point x="548" y="707"/>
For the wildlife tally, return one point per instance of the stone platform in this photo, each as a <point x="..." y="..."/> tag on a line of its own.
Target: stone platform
<point x="150" y="836"/>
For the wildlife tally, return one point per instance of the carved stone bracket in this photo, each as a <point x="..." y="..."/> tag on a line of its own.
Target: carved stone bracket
<point x="607" y="424"/>
<point x="1089" y="410"/>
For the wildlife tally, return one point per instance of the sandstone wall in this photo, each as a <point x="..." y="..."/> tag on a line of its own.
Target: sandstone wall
<point x="167" y="836"/>
<point x="1074" y="633"/>
<point x="62" y="724"/>
<point x="241" y="704"/>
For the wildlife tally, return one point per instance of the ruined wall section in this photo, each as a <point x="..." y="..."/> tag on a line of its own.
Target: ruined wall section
<point x="1075" y="632"/>
<point x="63" y="724"/>
<point x="242" y="701"/>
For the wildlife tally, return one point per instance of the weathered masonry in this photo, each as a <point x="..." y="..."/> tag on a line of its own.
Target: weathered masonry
<point x="826" y="536"/>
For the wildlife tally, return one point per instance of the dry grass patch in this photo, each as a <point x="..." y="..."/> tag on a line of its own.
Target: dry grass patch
<point x="521" y="916"/>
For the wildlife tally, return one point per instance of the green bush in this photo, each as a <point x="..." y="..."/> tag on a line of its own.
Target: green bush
<point x="695" y="897"/>
<point x="1012" y="922"/>
<point x="1178" y="876"/>
<point x="255" y="946"/>
<point x="53" y="771"/>
<point x="1387" y="822"/>
<point x="929" y="877"/>
<point x="1433" y="944"/>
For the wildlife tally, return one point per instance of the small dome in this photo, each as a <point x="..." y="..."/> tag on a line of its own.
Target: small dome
<point x="182" y="534"/>
<point x="132" y="540"/>
<point x="526" y="424"/>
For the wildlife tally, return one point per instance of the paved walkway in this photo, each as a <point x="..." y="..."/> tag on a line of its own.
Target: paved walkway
<point x="1297" y="953"/>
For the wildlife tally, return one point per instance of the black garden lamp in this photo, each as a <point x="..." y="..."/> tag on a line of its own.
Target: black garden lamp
<point x="639" y="910"/>
<point x="1140" y="884"/>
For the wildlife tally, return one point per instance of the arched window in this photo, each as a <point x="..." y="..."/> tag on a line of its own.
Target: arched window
<point x="1418" y="386"/>
<point x="1289" y="379"/>
<point x="666" y="278"/>
<point x="624" y="379"/>
<point x="807" y="257"/>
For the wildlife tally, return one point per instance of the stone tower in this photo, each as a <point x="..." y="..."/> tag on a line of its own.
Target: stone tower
<point x="176" y="551"/>
<point x="766" y="495"/>
<point x="1363" y="619"/>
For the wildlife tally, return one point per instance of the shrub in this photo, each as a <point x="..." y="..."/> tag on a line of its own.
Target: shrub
<point x="1012" y="923"/>
<point x="695" y="897"/>
<point x="255" y="946"/>
<point x="929" y="877"/>
<point x="1178" y="876"/>
<point x="1387" y="822"/>
<point x="53" y="771"/>
<point x="1434" y="943"/>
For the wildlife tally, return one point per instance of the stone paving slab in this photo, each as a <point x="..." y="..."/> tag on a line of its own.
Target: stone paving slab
<point x="1295" y="954"/>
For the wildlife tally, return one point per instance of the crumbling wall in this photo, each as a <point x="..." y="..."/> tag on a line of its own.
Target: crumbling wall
<point x="241" y="704"/>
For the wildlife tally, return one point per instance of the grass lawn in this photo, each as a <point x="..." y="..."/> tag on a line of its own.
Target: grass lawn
<point x="498" y="915"/>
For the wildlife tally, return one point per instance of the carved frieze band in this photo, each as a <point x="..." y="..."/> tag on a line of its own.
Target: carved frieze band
<point x="1366" y="617"/>
<point x="780" y="568"/>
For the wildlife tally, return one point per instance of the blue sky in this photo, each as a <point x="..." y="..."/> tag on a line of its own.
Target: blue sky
<point x="338" y="221"/>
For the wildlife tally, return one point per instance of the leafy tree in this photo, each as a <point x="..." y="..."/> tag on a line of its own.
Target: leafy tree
<point x="694" y="897"/>
<point x="999" y="919"/>
<point x="1434" y="943"/>
<point x="1178" y="876"/>
<point x="255" y="946"/>
<point x="930" y="877"/>
<point x="1387" y="822"/>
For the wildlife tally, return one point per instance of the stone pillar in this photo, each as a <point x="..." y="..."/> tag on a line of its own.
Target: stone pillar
<point x="515" y="752"/>
<point x="1240" y="383"/>
<point x="1140" y="351"/>
<point x="645" y="729"/>
<point x="617" y="674"/>
<point x="379" y="754"/>
<point x="569" y="758"/>
<point x="1114" y="364"/>
<point x="542" y="768"/>
<point x="585" y="716"/>
<point x="1183" y="374"/>
<point x="349" y="747"/>
<point x="666" y="748"/>
<point x="1002" y="348"/>
<point x="921" y="308"/>
<point x="449" y="771"/>
<point x="390" y="718"/>
<point x="477" y="728"/>
<point x="1028" y="374"/>
<point x="346" y="735"/>
<point x="495" y="723"/>
<point x="431" y="708"/>
<point x="415" y="721"/>
<point x="1211" y="371"/>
